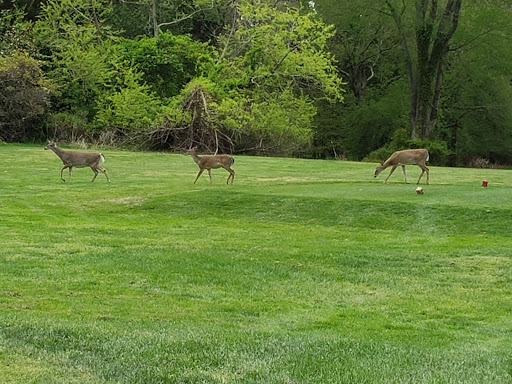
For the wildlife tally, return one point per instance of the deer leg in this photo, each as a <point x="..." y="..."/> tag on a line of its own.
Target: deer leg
<point x="62" y="170"/>
<point x="423" y="170"/>
<point x="210" y="175"/>
<point x="70" y="169"/>
<point x="390" y="173"/>
<point x="231" y="175"/>
<point x="105" y="173"/>
<point x="95" y="174"/>
<point x="199" y="174"/>
<point x="405" y="174"/>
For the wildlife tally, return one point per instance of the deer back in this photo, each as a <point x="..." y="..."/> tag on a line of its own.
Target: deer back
<point x="216" y="161"/>
<point x="80" y="159"/>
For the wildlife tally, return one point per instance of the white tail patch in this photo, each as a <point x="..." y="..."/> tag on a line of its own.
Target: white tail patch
<point x="102" y="158"/>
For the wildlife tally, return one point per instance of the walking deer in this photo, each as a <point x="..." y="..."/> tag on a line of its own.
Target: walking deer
<point x="79" y="159"/>
<point x="408" y="156"/>
<point x="213" y="162"/>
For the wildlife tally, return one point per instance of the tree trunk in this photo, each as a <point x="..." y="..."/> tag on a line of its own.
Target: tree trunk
<point x="425" y="74"/>
<point x="154" y="20"/>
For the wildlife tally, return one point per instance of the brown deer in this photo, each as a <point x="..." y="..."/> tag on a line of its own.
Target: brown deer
<point x="407" y="156"/>
<point x="213" y="162"/>
<point x="79" y="159"/>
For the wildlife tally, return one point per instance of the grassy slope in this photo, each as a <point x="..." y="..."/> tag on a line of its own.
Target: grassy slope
<point x="301" y="272"/>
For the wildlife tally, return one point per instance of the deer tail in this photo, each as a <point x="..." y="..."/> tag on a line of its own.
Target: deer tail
<point x="102" y="157"/>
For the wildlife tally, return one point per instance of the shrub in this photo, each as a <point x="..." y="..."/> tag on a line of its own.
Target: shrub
<point x="168" y="62"/>
<point x="67" y="127"/>
<point x="132" y="107"/>
<point x="24" y="97"/>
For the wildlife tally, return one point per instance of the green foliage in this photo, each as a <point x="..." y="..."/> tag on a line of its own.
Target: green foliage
<point x="363" y="126"/>
<point x="167" y="62"/>
<point x="15" y="33"/>
<point x="271" y="65"/>
<point x="284" y="50"/>
<point x="426" y="44"/>
<point x="273" y="72"/>
<point x="82" y="22"/>
<point x="275" y="125"/>
<point x="478" y="103"/>
<point x="328" y="142"/>
<point x="78" y="52"/>
<point x="259" y="95"/>
<point x="67" y="127"/>
<point x="95" y="80"/>
<point x="365" y="47"/>
<point x="474" y="114"/>
<point x="367" y="55"/>
<point x="131" y="18"/>
<point x="131" y="107"/>
<point x="24" y="97"/>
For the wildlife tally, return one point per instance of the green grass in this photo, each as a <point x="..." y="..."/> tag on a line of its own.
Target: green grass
<point x="302" y="271"/>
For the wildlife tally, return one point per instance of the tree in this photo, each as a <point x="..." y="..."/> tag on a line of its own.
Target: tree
<point x="15" y="33"/>
<point x="273" y="62"/>
<point x="75" y="42"/>
<point x="364" y="45"/>
<point x="203" y="19"/>
<point x="258" y="97"/>
<point x="167" y="62"/>
<point x="425" y="65"/>
<point x="477" y="92"/>
<point x="368" y="59"/>
<point x="24" y="97"/>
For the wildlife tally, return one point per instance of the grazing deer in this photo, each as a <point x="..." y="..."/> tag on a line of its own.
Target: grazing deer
<point x="408" y="156"/>
<point x="213" y="162"/>
<point x="79" y="159"/>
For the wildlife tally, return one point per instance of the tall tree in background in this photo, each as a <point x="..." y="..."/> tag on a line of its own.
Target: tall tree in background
<point x="425" y="66"/>
<point x="271" y="64"/>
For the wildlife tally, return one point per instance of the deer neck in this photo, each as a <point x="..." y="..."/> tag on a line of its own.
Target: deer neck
<point x="59" y="152"/>
<point x="195" y="157"/>
<point x="386" y="164"/>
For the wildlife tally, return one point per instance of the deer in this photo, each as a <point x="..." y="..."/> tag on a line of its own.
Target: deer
<point x="79" y="160"/>
<point x="407" y="156"/>
<point x="212" y="162"/>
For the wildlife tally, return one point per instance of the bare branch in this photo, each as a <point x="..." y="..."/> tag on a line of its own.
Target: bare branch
<point x="184" y="18"/>
<point x="372" y="74"/>
<point x="460" y="46"/>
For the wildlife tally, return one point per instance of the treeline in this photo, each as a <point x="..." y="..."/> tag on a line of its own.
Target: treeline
<point x="322" y="79"/>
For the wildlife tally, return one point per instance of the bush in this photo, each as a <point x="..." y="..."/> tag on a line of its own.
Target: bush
<point x="24" y="97"/>
<point x="67" y="127"/>
<point x="378" y="155"/>
<point x="168" y="62"/>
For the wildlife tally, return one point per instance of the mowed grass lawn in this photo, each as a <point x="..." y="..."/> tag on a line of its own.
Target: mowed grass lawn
<point x="302" y="271"/>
